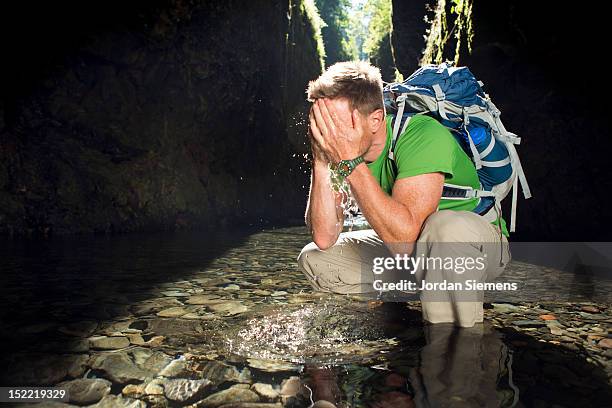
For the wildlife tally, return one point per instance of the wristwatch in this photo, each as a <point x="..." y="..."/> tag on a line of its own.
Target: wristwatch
<point x="346" y="167"/>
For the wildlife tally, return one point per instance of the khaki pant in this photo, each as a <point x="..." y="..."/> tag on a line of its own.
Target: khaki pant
<point x="346" y="267"/>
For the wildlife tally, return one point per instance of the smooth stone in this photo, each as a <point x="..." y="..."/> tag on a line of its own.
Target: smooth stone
<point x="279" y="293"/>
<point x="261" y="292"/>
<point x="118" y="401"/>
<point x="291" y="387"/>
<point x="176" y="368"/>
<point x="229" y="308"/>
<point x="136" y="339"/>
<point x="84" y="391"/>
<point x="548" y="317"/>
<point x="182" y="390"/>
<point x="203" y="300"/>
<point x="119" y="368"/>
<point x="528" y="323"/>
<point x="154" y="387"/>
<point x="47" y="369"/>
<point x="133" y="390"/>
<point x="266" y="391"/>
<point x="218" y="373"/>
<point x="232" y="287"/>
<point x="590" y="309"/>
<point x="557" y="331"/>
<point x="172" y="312"/>
<point x="505" y="308"/>
<point x="605" y="343"/>
<point x="233" y="394"/>
<point x="108" y="343"/>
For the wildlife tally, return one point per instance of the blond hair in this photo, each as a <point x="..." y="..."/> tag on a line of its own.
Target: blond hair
<point x="358" y="81"/>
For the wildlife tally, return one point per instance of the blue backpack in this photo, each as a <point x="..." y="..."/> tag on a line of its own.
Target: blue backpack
<point x="454" y="97"/>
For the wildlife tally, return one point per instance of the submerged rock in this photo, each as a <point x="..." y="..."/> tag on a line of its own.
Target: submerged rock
<point x="234" y="394"/>
<point x="182" y="390"/>
<point x="118" y="401"/>
<point x="84" y="391"/>
<point x="108" y="343"/>
<point x="266" y="391"/>
<point x="172" y="312"/>
<point x="228" y="308"/>
<point x="119" y="368"/>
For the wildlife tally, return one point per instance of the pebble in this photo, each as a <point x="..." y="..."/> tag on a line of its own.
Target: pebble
<point x="266" y="391"/>
<point x="229" y="308"/>
<point x="118" y="401"/>
<point x="182" y="390"/>
<point x="605" y="343"/>
<point x="528" y="323"/>
<point x="176" y="368"/>
<point x="548" y="317"/>
<point x="108" y="343"/>
<point x="590" y="309"/>
<point x="119" y="368"/>
<point x="203" y="299"/>
<point x="84" y="391"/>
<point x="172" y="312"/>
<point x="234" y="394"/>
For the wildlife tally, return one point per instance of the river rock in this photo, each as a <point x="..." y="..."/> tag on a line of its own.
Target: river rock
<point x="203" y="300"/>
<point x="47" y="369"/>
<point x="605" y="343"/>
<point x="228" y="308"/>
<point x="119" y="368"/>
<point x="182" y="390"/>
<point x="234" y="394"/>
<point x="118" y="401"/>
<point x="172" y="312"/>
<point x="176" y="368"/>
<point x="108" y="343"/>
<point x="84" y="391"/>
<point x="266" y="391"/>
<point x="218" y="373"/>
<point x="590" y="309"/>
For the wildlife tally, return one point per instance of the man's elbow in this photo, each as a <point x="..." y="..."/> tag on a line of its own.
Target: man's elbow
<point x="324" y="241"/>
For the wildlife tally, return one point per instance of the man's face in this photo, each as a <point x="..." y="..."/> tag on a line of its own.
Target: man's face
<point x="343" y="109"/>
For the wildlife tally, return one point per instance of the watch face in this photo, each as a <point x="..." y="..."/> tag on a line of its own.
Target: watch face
<point x="345" y="168"/>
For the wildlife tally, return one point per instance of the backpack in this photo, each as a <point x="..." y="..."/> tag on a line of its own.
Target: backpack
<point x="454" y="97"/>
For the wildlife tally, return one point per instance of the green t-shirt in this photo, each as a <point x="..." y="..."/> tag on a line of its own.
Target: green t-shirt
<point x="426" y="146"/>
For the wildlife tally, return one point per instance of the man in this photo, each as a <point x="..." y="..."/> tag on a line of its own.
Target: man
<point x="400" y="198"/>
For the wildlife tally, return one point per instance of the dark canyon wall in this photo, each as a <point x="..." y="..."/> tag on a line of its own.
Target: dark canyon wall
<point x="121" y="116"/>
<point x="544" y="66"/>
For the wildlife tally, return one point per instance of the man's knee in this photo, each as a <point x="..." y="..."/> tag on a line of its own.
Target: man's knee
<point x="308" y="253"/>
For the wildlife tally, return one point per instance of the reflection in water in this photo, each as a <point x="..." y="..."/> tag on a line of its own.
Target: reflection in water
<point x="457" y="367"/>
<point x="235" y="308"/>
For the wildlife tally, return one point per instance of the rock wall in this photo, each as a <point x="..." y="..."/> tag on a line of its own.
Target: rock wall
<point x="543" y="66"/>
<point x="153" y="115"/>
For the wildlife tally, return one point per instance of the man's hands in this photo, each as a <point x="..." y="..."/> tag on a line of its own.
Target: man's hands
<point x="334" y="138"/>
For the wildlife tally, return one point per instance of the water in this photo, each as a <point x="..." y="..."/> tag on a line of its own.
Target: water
<point x="233" y="307"/>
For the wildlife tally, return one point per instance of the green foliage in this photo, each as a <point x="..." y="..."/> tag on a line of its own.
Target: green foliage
<point x="378" y="15"/>
<point x="309" y="9"/>
<point x="444" y="43"/>
<point x="336" y="30"/>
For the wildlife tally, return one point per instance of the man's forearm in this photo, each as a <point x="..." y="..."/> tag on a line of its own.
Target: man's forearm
<point x="392" y="220"/>
<point x="322" y="213"/>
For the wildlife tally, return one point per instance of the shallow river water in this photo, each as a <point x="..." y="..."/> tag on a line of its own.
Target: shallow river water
<point x="226" y="319"/>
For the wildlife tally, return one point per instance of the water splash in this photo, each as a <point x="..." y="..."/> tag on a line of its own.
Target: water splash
<point x="350" y="208"/>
